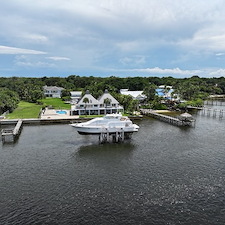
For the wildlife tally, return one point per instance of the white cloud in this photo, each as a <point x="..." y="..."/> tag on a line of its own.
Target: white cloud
<point x="217" y="73"/>
<point x="35" y="38"/>
<point x="32" y="61"/>
<point x="220" y="54"/>
<point x="57" y="58"/>
<point x="211" y="39"/>
<point x="36" y="64"/>
<point x="168" y="72"/>
<point x="177" y="72"/>
<point x="16" y="51"/>
<point x="135" y="60"/>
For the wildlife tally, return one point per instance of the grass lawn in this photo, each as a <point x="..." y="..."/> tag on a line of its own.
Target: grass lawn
<point x="56" y="103"/>
<point x="25" y="110"/>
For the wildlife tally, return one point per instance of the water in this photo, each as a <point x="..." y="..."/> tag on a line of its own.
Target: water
<point x="163" y="175"/>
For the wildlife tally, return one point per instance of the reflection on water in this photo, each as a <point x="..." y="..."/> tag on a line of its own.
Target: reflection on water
<point x="163" y="175"/>
<point x="107" y="150"/>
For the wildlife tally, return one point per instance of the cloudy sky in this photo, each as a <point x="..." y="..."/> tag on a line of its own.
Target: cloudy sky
<point x="178" y="38"/>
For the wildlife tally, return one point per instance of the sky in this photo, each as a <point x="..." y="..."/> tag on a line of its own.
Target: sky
<point x="178" y="38"/>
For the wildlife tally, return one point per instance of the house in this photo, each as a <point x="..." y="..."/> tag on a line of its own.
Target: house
<point x="52" y="91"/>
<point x="75" y="96"/>
<point x="137" y="95"/>
<point x="88" y="105"/>
<point x="165" y="91"/>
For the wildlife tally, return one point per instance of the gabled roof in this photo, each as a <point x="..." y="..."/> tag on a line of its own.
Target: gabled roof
<point x="92" y="100"/>
<point x="109" y="96"/>
<point x="52" y="88"/>
<point x="134" y="94"/>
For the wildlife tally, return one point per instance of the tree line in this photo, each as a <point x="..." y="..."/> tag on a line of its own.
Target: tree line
<point x="14" y="89"/>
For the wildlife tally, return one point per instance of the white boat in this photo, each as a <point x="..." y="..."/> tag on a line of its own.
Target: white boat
<point x="111" y="123"/>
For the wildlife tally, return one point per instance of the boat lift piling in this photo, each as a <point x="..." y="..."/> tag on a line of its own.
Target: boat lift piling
<point x="116" y="137"/>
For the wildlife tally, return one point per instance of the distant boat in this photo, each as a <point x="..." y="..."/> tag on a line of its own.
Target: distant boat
<point x="111" y="123"/>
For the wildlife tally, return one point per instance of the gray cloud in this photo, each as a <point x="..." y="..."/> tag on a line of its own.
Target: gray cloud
<point x="114" y="33"/>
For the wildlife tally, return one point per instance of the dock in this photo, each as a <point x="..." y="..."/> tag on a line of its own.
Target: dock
<point x="181" y="121"/>
<point x="215" y="101"/>
<point x="216" y="113"/>
<point x="10" y="135"/>
<point x="194" y="107"/>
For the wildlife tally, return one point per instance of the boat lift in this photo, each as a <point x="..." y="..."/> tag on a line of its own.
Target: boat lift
<point x="118" y="136"/>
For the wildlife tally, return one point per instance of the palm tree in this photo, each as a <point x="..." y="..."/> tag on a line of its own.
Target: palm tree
<point x="107" y="102"/>
<point x="86" y="100"/>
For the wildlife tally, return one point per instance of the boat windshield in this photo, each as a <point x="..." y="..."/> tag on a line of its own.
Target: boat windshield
<point x="112" y="117"/>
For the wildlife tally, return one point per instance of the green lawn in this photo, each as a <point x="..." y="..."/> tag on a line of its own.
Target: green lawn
<point x="56" y="103"/>
<point x="32" y="110"/>
<point x="25" y="110"/>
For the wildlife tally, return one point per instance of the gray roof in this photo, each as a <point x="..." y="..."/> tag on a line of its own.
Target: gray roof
<point x="109" y="96"/>
<point x="92" y="100"/>
<point x="52" y="88"/>
<point x="134" y="94"/>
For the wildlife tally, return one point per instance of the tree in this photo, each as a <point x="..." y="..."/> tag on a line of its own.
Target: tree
<point x="86" y="100"/>
<point x="107" y="102"/>
<point x="8" y="100"/>
<point x="150" y="92"/>
<point x="188" y="91"/>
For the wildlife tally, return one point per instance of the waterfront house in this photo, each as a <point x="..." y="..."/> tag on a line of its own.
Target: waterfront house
<point x="52" y="91"/>
<point x="136" y="95"/>
<point x="88" y="105"/>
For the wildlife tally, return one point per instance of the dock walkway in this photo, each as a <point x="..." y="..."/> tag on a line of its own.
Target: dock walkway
<point x="10" y="135"/>
<point x="168" y="119"/>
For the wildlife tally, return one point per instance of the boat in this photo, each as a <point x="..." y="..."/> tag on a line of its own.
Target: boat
<point x="110" y="123"/>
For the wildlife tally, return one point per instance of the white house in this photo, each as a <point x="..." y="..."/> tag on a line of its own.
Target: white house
<point x="137" y="95"/>
<point x="88" y="105"/>
<point x="75" y="96"/>
<point x="52" y="91"/>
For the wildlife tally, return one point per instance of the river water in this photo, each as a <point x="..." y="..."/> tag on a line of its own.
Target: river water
<point x="163" y="175"/>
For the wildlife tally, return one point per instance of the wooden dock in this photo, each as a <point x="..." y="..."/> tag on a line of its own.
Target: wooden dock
<point x="219" y="113"/>
<point x="168" y="119"/>
<point x="215" y="101"/>
<point x="10" y="135"/>
<point x="194" y="107"/>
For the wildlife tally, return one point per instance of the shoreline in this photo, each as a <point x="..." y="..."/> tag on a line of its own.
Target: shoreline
<point x="46" y="121"/>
